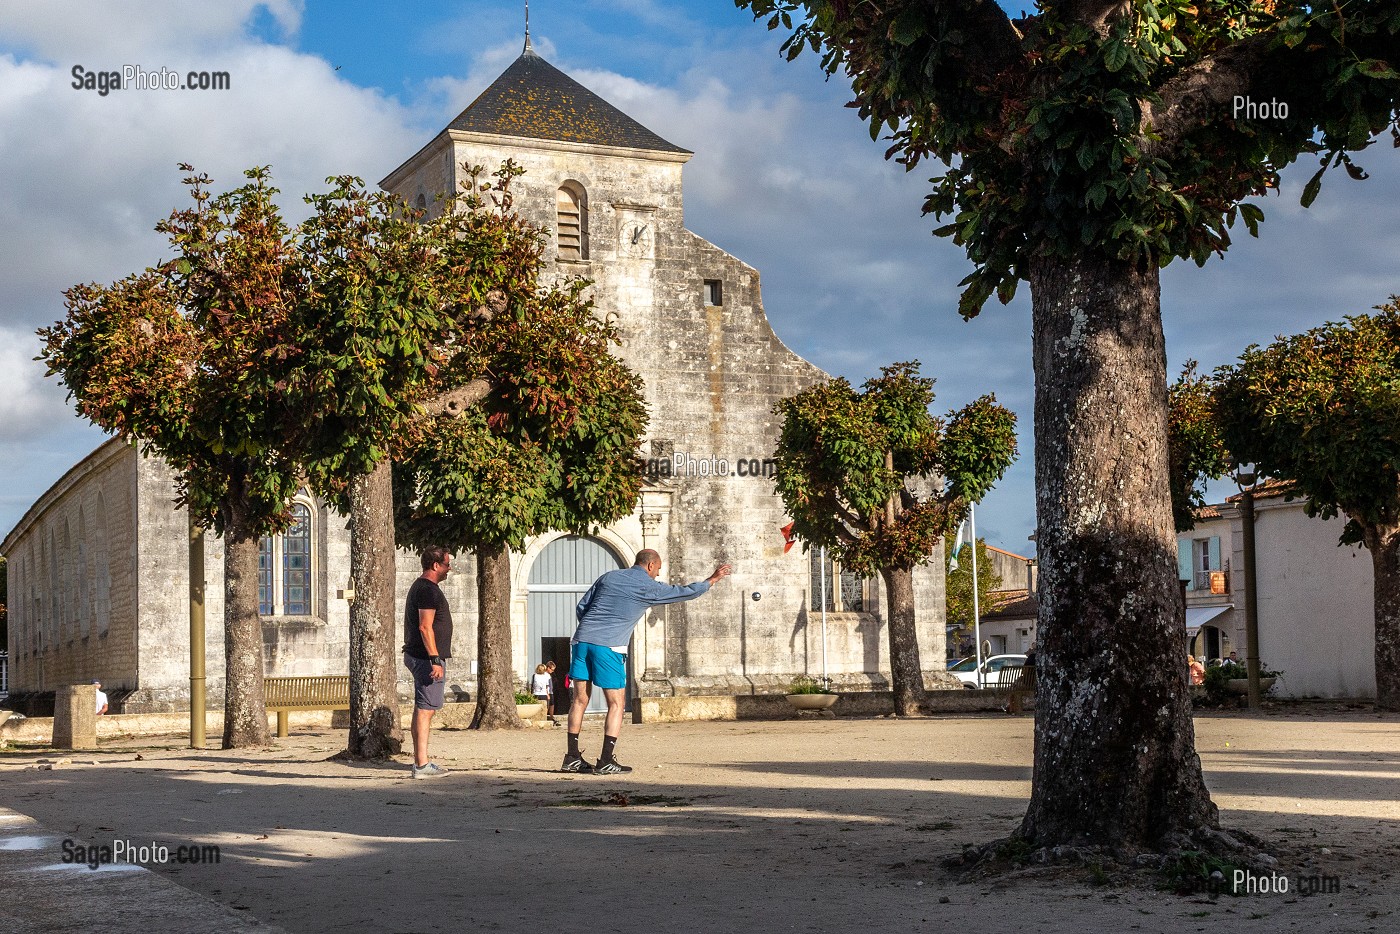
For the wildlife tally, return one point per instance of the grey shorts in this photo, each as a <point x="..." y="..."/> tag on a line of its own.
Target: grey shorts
<point x="427" y="693"/>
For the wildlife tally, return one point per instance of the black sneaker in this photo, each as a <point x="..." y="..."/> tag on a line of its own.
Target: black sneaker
<point x="575" y="764"/>
<point x="611" y="767"/>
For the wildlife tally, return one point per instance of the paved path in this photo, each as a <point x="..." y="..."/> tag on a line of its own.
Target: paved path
<point x="44" y="895"/>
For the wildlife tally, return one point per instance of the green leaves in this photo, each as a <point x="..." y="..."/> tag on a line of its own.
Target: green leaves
<point x="847" y="459"/>
<point x="1195" y="449"/>
<point x="1322" y="409"/>
<point x="1058" y="138"/>
<point x="1116" y="54"/>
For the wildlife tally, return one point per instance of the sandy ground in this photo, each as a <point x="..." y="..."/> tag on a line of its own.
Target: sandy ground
<point x="804" y="825"/>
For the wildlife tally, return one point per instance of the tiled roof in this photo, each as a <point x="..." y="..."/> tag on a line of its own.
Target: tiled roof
<point x="535" y="100"/>
<point x="1013" y="604"/>
<point x="1009" y="554"/>
<point x="1268" y="488"/>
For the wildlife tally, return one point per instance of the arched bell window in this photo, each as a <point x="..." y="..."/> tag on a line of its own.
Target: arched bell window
<point x="571" y="226"/>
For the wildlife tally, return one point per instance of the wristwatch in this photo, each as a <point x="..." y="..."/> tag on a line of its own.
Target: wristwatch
<point x="435" y="660"/>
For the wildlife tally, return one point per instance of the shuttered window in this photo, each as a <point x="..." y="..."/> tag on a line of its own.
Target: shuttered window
<point x="572" y="222"/>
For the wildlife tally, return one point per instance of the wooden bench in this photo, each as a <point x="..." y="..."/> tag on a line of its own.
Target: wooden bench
<point x="1017" y="682"/>
<point x="325" y="692"/>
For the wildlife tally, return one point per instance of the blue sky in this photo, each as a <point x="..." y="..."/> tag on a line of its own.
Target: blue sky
<point x="783" y="176"/>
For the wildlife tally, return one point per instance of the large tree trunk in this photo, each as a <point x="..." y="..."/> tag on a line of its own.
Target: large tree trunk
<point x="1384" y="544"/>
<point x="375" y="732"/>
<point x="906" y="672"/>
<point x="1115" y="759"/>
<point x="245" y="712"/>
<point x="495" y="682"/>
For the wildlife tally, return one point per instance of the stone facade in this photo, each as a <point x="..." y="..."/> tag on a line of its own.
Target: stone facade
<point x="692" y="325"/>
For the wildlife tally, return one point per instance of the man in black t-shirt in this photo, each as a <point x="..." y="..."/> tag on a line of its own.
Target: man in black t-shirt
<point x="427" y="644"/>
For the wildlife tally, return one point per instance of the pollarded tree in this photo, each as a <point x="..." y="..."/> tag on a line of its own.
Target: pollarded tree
<point x="183" y="359"/>
<point x="1322" y="409"/>
<point x="551" y="447"/>
<point x="386" y="289"/>
<point x="858" y="474"/>
<point x="1086" y="147"/>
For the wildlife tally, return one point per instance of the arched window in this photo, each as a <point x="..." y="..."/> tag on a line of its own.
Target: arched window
<point x="84" y="581"/>
<point x="572" y="224"/>
<point x="102" y="559"/>
<point x="284" y="568"/>
<point x="422" y="202"/>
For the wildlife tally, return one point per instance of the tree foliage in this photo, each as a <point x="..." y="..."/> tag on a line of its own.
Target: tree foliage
<point x="185" y="356"/>
<point x="1322" y="409"/>
<point x="1196" y="451"/>
<point x="959" y="583"/>
<point x="553" y="444"/>
<point x="1105" y="126"/>
<point x="857" y="470"/>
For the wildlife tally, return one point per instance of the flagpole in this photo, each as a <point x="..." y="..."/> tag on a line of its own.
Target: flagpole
<point x="976" y="610"/>
<point x="823" y="570"/>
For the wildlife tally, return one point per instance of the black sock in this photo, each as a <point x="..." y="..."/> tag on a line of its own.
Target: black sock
<point x="573" y="744"/>
<point x="609" y="743"/>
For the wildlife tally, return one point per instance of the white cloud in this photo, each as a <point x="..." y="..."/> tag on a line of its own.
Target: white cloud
<point x="102" y="34"/>
<point x="29" y="403"/>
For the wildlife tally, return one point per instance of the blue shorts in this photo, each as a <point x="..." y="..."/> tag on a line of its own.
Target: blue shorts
<point x="427" y="693"/>
<point x="599" y="664"/>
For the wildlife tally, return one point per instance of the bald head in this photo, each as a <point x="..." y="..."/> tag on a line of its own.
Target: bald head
<point x="649" y="561"/>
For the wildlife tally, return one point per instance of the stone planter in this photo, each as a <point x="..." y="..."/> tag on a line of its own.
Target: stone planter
<point x="812" y="701"/>
<point x="1240" y="686"/>
<point x="529" y="711"/>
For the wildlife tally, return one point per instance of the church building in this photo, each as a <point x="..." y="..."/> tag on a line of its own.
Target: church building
<point x="98" y="566"/>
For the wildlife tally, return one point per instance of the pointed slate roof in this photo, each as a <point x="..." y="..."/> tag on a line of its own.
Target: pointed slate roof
<point x="535" y="100"/>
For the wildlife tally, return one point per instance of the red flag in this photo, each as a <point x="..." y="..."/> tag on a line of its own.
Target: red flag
<point x="788" y="538"/>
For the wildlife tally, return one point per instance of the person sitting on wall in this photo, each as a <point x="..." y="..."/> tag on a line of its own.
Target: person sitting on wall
<point x="101" y="698"/>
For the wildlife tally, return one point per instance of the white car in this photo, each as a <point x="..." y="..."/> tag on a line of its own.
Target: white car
<point x="966" y="670"/>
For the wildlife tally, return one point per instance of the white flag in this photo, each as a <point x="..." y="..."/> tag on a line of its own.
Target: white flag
<point x="957" y="546"/>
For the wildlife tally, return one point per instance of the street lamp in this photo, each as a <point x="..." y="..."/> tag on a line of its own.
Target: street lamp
<point x="1245" y="478"/>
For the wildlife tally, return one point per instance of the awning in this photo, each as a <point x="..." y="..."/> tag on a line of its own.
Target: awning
<point x="1198" y="616"/>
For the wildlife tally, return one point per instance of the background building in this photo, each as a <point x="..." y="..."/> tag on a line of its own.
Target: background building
<point x="98" y="575"/>
<point x="1314" y="598"/>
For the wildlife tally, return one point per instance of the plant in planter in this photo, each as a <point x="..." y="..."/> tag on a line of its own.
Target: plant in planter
<point x="1231" y="679"/>
<point x="807" y="693"/>
<point x="526" y="706"/>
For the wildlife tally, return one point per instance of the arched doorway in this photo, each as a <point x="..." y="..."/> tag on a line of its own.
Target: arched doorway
<point x="561" y="575"/>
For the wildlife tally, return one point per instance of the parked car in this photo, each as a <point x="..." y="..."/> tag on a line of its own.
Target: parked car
<point x="953" y="663"/>
<point x="966" y="670"/>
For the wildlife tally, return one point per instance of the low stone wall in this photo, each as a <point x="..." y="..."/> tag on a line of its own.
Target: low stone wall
<point x="775" y="706"/>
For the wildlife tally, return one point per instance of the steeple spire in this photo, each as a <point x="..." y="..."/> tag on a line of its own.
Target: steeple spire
<point x="528" y="47"/>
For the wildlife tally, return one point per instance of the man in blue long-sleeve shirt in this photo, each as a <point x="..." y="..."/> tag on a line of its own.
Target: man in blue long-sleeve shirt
<point x="606" y="616"/>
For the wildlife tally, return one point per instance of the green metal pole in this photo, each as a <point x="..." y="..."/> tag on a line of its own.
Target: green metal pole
<point x="197" y="701"/>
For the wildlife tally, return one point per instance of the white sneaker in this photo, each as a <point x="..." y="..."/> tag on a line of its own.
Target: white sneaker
<point x="431" y="770"/>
